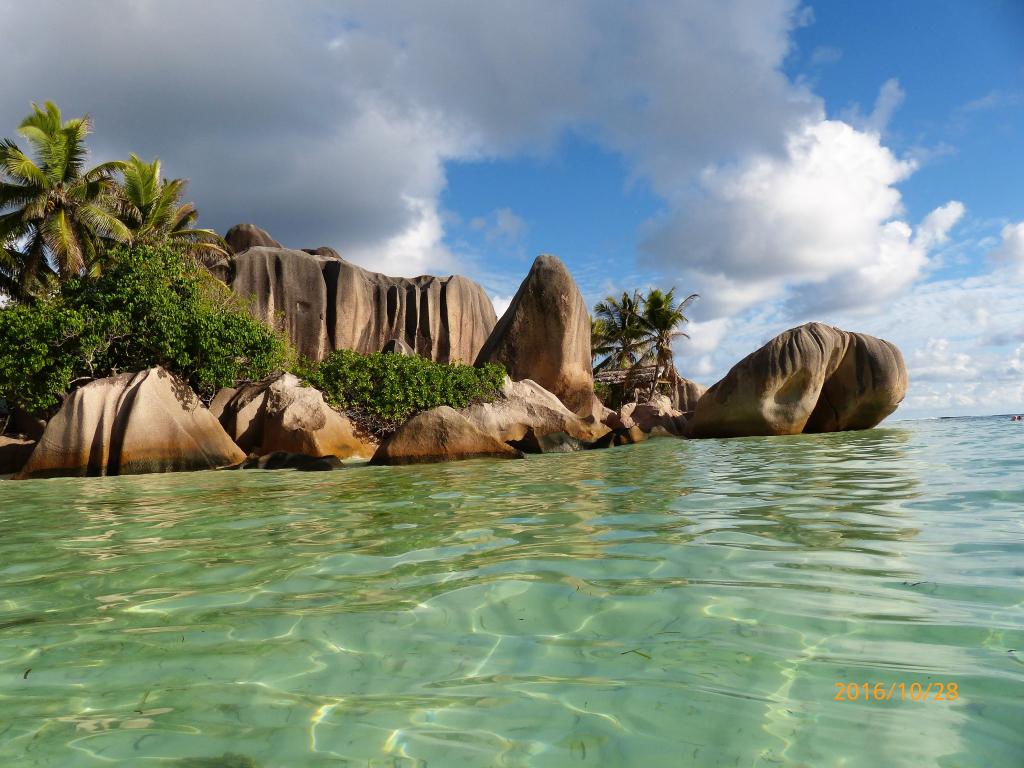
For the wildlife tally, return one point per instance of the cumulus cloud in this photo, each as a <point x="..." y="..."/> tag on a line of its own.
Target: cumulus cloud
<point x="332" y="123"/>
<point x="821" y="223"/>
<point x="1010" y="250"/>
<point x="937" y="361"/>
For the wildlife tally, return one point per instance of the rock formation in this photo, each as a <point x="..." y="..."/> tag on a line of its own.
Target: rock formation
<point x="325" y="303"/>
<point x="242" y="237"/>
<point x="440" y="434"/>
<point x="544" y="335"/>
<point x="655" y="417"/>
<point x="131" y="424"/>
<point x="814" y="378"/>
<point x="279" y="415"/>
<point x="524" y="407"/>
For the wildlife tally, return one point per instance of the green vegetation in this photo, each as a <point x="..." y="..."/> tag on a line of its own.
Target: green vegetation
<point x="380" y="391"/>
<point x="102" y="273"/>
<point x="151" y="306"/>
<point x="636" y="331"/>
<point x="151" y="207"/>
<point x="56" y="218"/>
<point x="59" y="220"/>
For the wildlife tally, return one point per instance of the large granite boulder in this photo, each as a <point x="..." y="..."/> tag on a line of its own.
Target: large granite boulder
<point x="526" y="407"/>
<point x="280" y="415"/>
<point x="544" y="335"/>
<point x="440" y="434"/>
<point x="324" y="303"/>
<point x="132" y="423"/>
<point x="814" y="378"/>
<point x="14" y="453"/>
<point x="242" y="237"/>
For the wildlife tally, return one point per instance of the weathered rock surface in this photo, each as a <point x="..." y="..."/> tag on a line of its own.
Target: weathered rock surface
<point x="525" y="406"/>
<point x="544" y="335"/>
<point x="279" y="414"/>
<point x="132" y="423"/>
<point x="242" y="237"/>
<point x="440" y="434"/>
<point x="814" y="378"/>
<point x="14" y="453"/>
<point x="325" y="303"/>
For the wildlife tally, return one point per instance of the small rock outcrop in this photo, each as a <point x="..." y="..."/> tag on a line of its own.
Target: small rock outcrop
<point x="814" y="378"/>
<point x="324" y="303"/>
<point x="280" y="415"/>
<point x="14" y="453"/>
<point x="544" y="335"/>
<point x="132" y="423"/>
<point x="525" y="406"/>
<point x="656" y="416"/>
<point x="242" y="237"/>
<point x="440" y="434"/>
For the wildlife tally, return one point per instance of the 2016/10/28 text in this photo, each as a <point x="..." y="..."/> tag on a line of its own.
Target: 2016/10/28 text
<point x="897" y="692"/>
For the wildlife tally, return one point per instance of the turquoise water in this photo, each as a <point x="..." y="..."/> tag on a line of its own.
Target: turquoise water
<point x="666" y="604"/>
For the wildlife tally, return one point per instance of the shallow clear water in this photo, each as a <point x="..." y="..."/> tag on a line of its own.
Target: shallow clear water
<point x="670" y="603"/>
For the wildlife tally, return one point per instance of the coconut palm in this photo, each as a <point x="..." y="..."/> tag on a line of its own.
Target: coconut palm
<point x="661" y="317"/>
<point x="617" y="332"/>
<point x="54" y="211"/>
<point x="152" y="210"/>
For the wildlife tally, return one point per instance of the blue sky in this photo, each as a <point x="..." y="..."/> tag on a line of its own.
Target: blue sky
<point x="855" y="163"/>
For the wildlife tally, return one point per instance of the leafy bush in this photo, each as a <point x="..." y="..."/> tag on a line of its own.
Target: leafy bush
<point x="380" y="391"/>
<point x="151" y="306"/>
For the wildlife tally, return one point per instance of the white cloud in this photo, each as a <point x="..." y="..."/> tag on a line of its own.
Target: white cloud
<point x="937" y="361"/>
<point x="1011" y="248"/>
<point x="820" y="223"/>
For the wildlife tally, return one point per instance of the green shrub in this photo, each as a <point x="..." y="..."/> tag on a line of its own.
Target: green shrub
<point x="380" y="391"/>
<point x="151" y="306"/>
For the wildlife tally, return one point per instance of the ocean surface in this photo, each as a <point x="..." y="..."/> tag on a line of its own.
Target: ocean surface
<point x="666" y="604"/>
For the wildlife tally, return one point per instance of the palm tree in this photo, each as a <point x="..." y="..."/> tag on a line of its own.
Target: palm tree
<point x="617" y="332"/>
<point x="55" y="214"/>
<point x="152" y="210"/>
<point x="661" y="317"/>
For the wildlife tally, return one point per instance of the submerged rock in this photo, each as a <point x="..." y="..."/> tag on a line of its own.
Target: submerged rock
<point x="325" y="303"/>
<point x="298" y="461"/>
<point x="544" y="335"/>
<point x="132" y="423"/>
<point x="440" y="434"/>
<point x="280" y="414"/>
<point x="548" y="442"/>
<point x="814" y="378"/>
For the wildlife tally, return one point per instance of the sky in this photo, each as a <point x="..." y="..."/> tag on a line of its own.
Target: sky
<point x="856" y="164"/>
